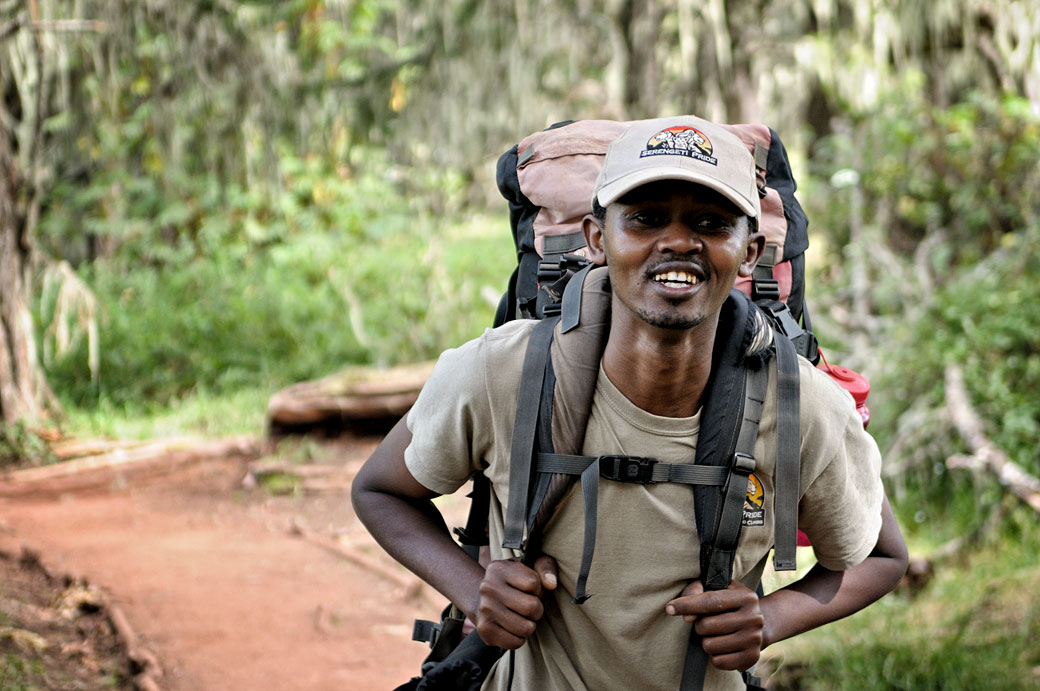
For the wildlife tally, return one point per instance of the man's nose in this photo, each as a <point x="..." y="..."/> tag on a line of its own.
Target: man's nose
<point x="680" y="238"/>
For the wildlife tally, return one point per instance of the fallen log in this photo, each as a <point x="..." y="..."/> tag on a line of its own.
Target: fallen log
<point x="67" y="449"/>
<point x="984" y="453"/>
<point x="122" y="464"/>
<point x="358" y="393"/>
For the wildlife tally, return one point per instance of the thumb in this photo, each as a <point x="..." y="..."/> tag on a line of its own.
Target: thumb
<point x="694" y="588"/>
<point x="545" y="567"/>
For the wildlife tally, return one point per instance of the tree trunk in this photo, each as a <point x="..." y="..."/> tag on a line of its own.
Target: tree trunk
<point x="22" y="387"/>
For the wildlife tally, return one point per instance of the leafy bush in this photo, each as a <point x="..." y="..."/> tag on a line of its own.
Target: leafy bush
<point x="967" y="173"/>
<point x="929" y="223"/>
<point x="984" y="321"/>
<point x="339" y="269"/>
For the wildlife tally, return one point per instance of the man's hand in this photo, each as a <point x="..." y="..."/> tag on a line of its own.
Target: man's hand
<point x="729" y="622"/>
<point x="511" y="600"/>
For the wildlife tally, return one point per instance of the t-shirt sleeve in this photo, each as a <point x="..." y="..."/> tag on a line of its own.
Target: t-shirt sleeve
<point x="840" y="508"/>
<point x="447" y="440"/>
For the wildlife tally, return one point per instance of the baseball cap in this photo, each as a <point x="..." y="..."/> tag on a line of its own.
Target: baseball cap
<point x="679" y="148"/>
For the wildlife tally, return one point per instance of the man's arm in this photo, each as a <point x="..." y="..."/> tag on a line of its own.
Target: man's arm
<point x="823" y="596"/>
<point x="504" y="601"/>
<point x="399" y="513"/>
<point x="736" y="625"/>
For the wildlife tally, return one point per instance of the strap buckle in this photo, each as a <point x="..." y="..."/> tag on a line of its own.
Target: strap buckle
<point x="765" y="289"/>
<point x="636" y="469"/>
<point x="743" y="464"/>
<point x="426" y="631"/>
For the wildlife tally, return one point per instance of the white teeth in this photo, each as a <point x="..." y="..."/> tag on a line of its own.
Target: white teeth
<point x="677" y="277"/>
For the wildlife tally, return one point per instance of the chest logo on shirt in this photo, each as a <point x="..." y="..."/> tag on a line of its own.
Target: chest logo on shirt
<point x="754" y="502"/>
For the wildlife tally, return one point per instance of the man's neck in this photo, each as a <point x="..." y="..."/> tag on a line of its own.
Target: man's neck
<point x="663" y="371"/>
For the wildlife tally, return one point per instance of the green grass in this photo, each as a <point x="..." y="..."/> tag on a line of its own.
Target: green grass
<point x="975" y="626"/>
<point x="201" y="413"/>
<point x="16" y="674"/>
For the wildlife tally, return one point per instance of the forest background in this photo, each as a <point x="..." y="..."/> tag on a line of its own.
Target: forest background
<point x="204" y="201"/>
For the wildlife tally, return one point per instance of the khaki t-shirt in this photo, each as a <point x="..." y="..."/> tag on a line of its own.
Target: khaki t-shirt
<point x="646" y="545"/>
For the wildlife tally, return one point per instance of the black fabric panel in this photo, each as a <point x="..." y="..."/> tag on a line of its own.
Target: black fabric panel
<point x="521" y="217"/>
<point x="780" y="178"/>
<point x="796" y="301"/>
<point x="722" y="411"/>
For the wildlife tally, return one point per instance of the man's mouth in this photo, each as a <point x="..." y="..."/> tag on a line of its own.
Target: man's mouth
<point x="677" y="279"/>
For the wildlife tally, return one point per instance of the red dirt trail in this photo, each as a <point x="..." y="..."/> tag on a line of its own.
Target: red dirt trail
<point x="217" y="586"/>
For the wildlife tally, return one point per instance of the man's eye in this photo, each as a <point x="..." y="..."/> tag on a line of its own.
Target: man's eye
<point x="647" y="218"/>
<point x="713" y="222"/>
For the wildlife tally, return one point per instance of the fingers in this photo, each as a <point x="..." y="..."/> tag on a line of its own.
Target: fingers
<point x="729" y="622"/>
<point x="694" y="602"/>
<point x="545" y="567"/>
<point x="510" y="602"/>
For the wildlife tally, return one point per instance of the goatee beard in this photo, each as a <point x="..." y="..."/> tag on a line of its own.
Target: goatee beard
<point x="669" y="320"/>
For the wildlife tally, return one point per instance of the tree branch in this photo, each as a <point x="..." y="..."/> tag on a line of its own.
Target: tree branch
<point x="985" y="454"/>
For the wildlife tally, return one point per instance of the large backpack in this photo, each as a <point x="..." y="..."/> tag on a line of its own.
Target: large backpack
<point x="548" y="180"/>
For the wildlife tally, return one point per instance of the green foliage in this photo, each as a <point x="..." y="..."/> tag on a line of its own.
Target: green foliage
<point x="16" y="674"/>
<point x="975" y="628"/>
<point x="929" y="220"/>
<point x="198" y="412"/>
<point x="20" y="446"/>
<point x="967" y="172"/>
<point x="984" y="321"/>
<point x="341" y="268"/>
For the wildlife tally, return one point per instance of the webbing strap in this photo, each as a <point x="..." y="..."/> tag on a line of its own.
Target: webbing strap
<point x="590" y="495"/>
<point x="634" y="469"/>
<point x="788" y="453"/>
<point x="617" y="468"/>
<point x="545" y="444"/>
<point x="527" y="284"/>
<point x="474" y="535"/>
<point x="525" y="425"/>
<point x="555" y="245"/>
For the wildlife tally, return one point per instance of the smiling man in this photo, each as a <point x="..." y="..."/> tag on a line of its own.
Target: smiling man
<point x="675" y="221"/>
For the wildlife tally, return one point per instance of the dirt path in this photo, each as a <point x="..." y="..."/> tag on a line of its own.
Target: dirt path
<point x="217" y="586"/>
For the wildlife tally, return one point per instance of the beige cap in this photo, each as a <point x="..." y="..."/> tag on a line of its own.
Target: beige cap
<point x="680" y="148"/>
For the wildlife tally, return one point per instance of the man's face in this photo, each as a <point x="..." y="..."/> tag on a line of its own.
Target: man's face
<point x="673" y="250"/>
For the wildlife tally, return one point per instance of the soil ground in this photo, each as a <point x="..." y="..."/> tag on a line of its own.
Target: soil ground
<point x="218" y="585"/>
<point x="54" y="632"/>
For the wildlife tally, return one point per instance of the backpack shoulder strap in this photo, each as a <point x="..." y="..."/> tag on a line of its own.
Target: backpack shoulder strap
<point x="788" y="455"/>
<point x="718" y="550"/>
<point x="525" y="426"/>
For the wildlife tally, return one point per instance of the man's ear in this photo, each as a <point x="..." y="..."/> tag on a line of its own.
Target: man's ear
<point x="593" y="229"/>
<point x="755" y="247"/>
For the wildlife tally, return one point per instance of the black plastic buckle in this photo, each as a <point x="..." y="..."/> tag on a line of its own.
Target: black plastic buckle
<point x="466" y="538"/>
<point x="527" y="307"/>
<point x="765" y="289"/>
<point x="426" y="631"/>
<point x="627" y="469"/>
<point x="743" y="464"/>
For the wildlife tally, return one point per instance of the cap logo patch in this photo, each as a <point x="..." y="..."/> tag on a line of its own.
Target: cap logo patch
<point x="682" y="140"/>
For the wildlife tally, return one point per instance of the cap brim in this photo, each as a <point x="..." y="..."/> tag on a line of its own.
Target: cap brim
<point x="611" y="192"/>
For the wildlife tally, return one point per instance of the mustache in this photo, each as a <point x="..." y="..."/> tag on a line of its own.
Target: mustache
<point x="683" y="262"/>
